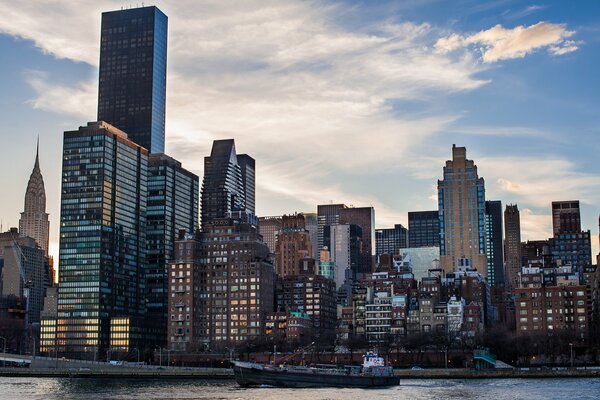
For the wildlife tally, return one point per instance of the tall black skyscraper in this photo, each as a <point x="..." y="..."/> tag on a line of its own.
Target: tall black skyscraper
<point x="493" y="242"/>
<point x="228" y="185"/>
<point x="133" y="73"/>
<point x="423" y="229"/>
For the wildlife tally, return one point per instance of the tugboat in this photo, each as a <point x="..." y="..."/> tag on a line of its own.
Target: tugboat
<point x="372" y="373"/>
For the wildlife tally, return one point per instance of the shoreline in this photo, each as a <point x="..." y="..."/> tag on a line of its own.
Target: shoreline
<point x="227" y="374"/>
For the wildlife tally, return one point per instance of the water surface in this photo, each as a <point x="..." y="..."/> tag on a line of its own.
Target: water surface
<point x="148" y="389"/>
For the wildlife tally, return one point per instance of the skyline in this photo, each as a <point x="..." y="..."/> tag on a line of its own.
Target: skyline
<point x="320" y="96"/>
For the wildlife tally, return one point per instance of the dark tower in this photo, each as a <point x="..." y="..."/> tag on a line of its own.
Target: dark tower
<point x="133" y="74"/>
<point x="225" y="183"/>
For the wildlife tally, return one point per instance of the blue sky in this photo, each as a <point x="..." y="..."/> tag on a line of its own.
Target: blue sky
<point x="348" y="101"/>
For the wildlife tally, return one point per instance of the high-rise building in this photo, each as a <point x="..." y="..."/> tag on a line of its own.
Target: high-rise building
<point x="461" y="200"/>
<point x="423" y="229"/>
<point x="248" y="169"/>
<point x="312" y="294"/>
<point x="102" y="254"/>
<point x="493" y="242"/>
<point x="293" y="245"/>
<point x="172" y="208"/>
<point x="565" y="217"/>
<point x="570" y="244"/>
<point x="133" y="74"/>
<point x="390" y="241"/>
<point x="188" y="303"/>
<point x="365" y="218"/>
<point x="238" y="275"/>
<point x="23" y="273"/>
<point x="344" y="242"/>
<point x="327" y="214"/>
<point x="225" y="183"/>
<point x="311" y="222"/>
<point x="512" y="246"/>
<point x="34" y="219"/>
<point x="269" y="227"/>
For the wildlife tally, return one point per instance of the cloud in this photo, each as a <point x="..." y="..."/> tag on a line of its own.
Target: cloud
<point x="78" y="100"/>
<point x="537" y="181"/>
<point x="499" y="43"/>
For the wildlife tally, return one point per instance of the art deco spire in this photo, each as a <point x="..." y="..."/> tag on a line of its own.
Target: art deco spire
<point x="34" y="219"/>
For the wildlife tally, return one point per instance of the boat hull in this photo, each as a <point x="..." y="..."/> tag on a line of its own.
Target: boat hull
<point x="251" y="376"/>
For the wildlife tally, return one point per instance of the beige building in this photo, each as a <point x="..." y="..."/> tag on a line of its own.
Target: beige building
<point x="461" y="195"/>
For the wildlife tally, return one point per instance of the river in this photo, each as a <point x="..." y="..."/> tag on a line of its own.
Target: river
<point x="127" y="389"/>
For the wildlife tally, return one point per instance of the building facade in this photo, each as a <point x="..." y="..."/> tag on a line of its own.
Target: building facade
<point x="424" y="228"/>
<point x="133" y="74"/>
<point x="461" y="200"/>
<point x="365" y="218"/>
<point x="102" y="254"/>
<point x="24" y="273"/>
<point x="239" y="283"/>
<point x="268" y="228"/>
<point x="293" y="245"/>
<point x="344" y="243"/>
<point x="327" y="214"/>
<point x="172" y="209"/>
<point x="566" y="217"/>
<point x="390" y="241"/>
<point x="512" y="246"/>
<point x="494" y="242"/>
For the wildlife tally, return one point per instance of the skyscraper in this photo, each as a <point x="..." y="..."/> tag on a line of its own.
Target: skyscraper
<point x="172" y="208"/>
<point x="268" y="228"/>
<point x="327" y="214"/>
<point x="565" y="217"/>
<point x="461" y="200"/>
<point x="23" y="272"/>
<point x="102" y="236"/>
<point x="34" y="219"/>
<point x="225" y="183"/>
<point x="133" y="74"/>
<point x="344" y="242"/>
<point x="570" y="244"/>
<point x="493" y="242"/>
<point x="512" y="246"/>
<point x="240" y="279"/>
<point x="423" y="229"/>
<point x="292" y="246"/>
<point x="390" y="241"/>
<point x="365" y="218"/>
<point x="311" y="221"/>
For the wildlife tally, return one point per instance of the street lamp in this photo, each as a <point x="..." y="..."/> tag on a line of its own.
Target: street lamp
<point x="138" y="354"/>
<point x="571" y="345"/>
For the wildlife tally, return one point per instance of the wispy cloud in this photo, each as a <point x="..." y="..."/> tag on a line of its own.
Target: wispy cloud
<point x="77" y="100"/>
<point x="499" y="43"/>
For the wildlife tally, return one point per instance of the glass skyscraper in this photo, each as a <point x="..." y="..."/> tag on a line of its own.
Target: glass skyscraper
<point x="172" y="210"/>
<point x="228" y="184"/>
<point x="423" y="229"/>
<point x="133" y="74"/>
<point x="102" y="237"/>
<point x="391" y="240"/>
<point x="493" y="242"/>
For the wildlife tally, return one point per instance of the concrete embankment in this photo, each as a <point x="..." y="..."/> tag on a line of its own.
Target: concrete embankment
<point x="129" y="372"/>
<point x="459" y="373"/>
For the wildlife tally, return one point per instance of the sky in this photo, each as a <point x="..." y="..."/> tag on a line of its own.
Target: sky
<point x="338" y="101"/>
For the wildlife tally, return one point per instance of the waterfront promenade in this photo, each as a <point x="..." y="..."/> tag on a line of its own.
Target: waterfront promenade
<point x="58" y="367"/>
